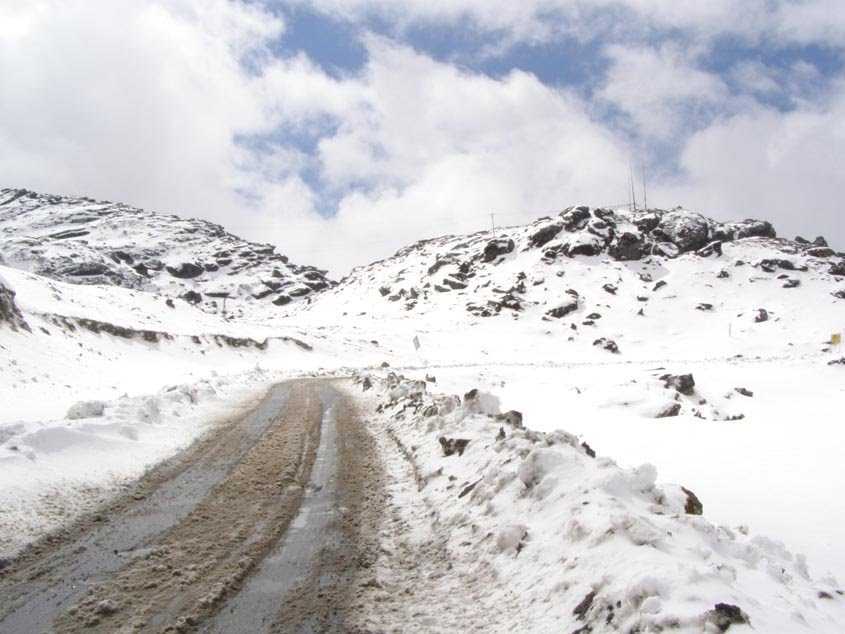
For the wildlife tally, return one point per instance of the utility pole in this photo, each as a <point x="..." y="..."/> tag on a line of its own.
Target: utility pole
<point x="492" y="221"/>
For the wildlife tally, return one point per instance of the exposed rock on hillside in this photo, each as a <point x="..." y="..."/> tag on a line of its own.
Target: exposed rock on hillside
<point x="10" y="315"/>
<point x="83" y="241"/>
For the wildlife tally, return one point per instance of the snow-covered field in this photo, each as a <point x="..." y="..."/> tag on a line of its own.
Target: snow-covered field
<point x="99" y="383"/>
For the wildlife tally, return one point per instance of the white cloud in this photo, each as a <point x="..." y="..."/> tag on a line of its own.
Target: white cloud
<point x="661" y="89"/>
<point x="150" y="103"/>
<point x="785" y="167"/>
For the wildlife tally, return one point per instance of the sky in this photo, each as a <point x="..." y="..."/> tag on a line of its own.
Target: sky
<point x="342" y="130"/>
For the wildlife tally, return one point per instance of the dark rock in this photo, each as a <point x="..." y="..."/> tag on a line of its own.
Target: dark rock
<point x="186" y="270"/>
<point x="704" y="306"/>
<point x="820" y="242"/>
<point x="688" y="231"/>
<point x="452" y="446"/>
<point x="384" y="291"/>
<point x="169" y="303"/>
<point x="693" y="505"/>
<point x="588" y="450"/>
<point x="300" y="291"/>
<point x="512" y="418"/>
<point x="366" y="384"/>
<point x="586" y="248"/>
<point x="496" y="248"/>
<point x="594" y="316"/>
<point x="660" y="284"/>
<point x="723" y="615"/>
<point x="801" y="240"/>
<point x="584" y="606"/>
<point x="627" y="247"/>
<point x="454" y="284"/>
<point x="770" y="264"/>
<point x="837" y="361"/>
<point x="743" y="391"/>
<point x="838" y="269"/>
<point x="839" y="294"/>
<point x="122" y="256"/>
<point x="671" y="410"/>
<point x="281" y="300"/>
<point x="684" y="383"/>
<point x="607" y="344"/>
<point x="610" y="288"/>
<point x="86" y="269"/>
<point x="575" y="218"/>
<point x="754" y="229"/>
<point x="820" y="252"/>
<point x="723" y="274"/>
<point x="192" y="297"/>
<point x="792" y="284"/>
<point x="761" y="316"/>
<point x="563" y="309"/>
<point x="546" y="234"/>
<point x="9" y="312"/>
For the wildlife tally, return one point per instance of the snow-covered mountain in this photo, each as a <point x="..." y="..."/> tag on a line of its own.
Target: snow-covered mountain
<point x="83" y="241"/>
<point x="537" y="269"/>
<point x="653" y="336"/>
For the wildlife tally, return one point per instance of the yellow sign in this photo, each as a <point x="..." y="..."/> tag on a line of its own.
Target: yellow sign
<point x="836" y="339"/>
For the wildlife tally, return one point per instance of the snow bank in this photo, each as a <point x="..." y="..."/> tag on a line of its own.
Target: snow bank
<point x="53" y="471"/>
<point x="581" y="544"/>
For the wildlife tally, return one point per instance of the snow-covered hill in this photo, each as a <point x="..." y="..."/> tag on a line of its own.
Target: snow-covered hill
<point x="649" y="285"/>
<point x="664" y="336"/>
<point x="84" y="241"/>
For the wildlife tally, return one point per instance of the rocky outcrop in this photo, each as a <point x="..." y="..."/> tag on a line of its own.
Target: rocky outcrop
<point x="10" y="314"/>
<point x="83" y="241"/>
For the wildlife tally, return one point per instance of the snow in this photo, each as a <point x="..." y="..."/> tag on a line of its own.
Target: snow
<point x="110" y="381"/>
<point x="573" y="540"/>
<point x="53" y="470"/>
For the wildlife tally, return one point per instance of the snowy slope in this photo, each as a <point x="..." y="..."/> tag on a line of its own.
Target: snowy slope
<point x="548" y="535"/>
<point x="84" y="241"/>
<point x="590" y="277"/>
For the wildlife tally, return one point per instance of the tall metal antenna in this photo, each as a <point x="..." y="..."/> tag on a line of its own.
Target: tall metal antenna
<point x="631" y="181"/>
<point x="645" y="195"/>
<point x="492" y="221"/>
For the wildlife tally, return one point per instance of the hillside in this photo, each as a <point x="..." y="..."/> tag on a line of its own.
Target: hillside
<point x="646" y="285"/>
<point x="83" y="241"/>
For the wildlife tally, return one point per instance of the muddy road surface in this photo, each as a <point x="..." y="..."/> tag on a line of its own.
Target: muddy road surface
<point x="260" y="526"/>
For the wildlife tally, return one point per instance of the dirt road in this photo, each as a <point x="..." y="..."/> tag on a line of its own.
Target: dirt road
<point x="259" y="526"/>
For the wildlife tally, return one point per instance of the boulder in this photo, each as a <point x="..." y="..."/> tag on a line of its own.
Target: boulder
<point x="545" y="234"/>
<point x="683" y="383"/>
<point x="496" y="248"/>
<point x="669" y="411"/>
<point x="192" y="297"/>
<point x="761" y="316"/>
<point x="688" y="231"/>
<point x="838" y="269"/>
<point x="693" y="505"/>
<point x="451" y="446"/>
<point x="627" y="247"/>
<point x="186" y="270"/>
<point x="608" y="344"/>
<point x="575" y="218"/>
<point x="563" y="309"/>
<point x="10" y="314"/>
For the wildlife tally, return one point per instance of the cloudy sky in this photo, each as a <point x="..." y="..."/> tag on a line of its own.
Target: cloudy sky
<point x="341" y="130"/>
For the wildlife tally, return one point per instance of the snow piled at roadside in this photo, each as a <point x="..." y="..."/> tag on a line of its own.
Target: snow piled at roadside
<point x="577" y="543"/>
<point x="53" y="471"/>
